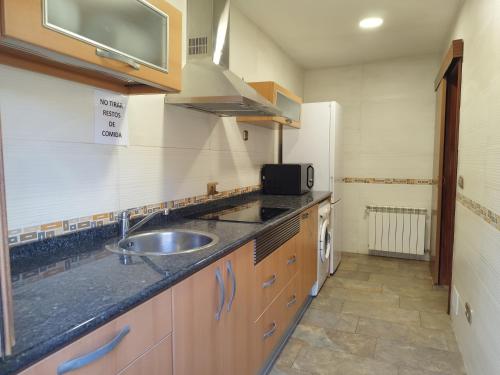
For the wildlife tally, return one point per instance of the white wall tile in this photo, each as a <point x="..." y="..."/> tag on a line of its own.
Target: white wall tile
<point x="388" y="121"/>
<point x="50" y="181"/>
<point x="476" y="259"/>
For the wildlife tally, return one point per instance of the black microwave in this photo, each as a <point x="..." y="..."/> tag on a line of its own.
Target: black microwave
<point x="287" y="179"/>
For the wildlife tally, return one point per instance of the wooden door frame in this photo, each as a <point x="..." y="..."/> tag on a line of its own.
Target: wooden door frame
<point x="449" y="75"/>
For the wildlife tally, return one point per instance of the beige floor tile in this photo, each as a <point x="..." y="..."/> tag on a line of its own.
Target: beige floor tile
<point x="353" y="275"/>
<point x="390" y="314"/>
<point x="376" y="268"/>
<point x="363" y="296"/>
<point x="330" y="320"/>
<point x="347" y="266"/>
<point x="410" y="291"/>
<point x="290" y="352"/>
<point x="410" y="371"/>
<point x="428" y="338"/>
<point x="285" y="370"/>
<point x="375" y="316"/>
<point x="335" y="282"/>
<point x="354" y="343"/>
<point x="330" y="362"/>
<point x="312" y="336"/>
<point x="424" y="304"/>
<point x="382" y="328"/>
<point x="324" y="302"/>
<point x="400" y="281"/>
<point x="419" y="358"/>
<point x="436" y="321"/>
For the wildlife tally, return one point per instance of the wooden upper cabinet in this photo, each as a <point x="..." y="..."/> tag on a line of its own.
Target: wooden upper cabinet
<point x="128" y="46"/>
<point x="285" y="100"/>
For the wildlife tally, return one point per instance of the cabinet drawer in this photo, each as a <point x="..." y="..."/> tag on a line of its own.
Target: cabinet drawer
<point x="271" y="326"/>
<point x="146" y="324"/>
<point x="273" y="273"/>
<point x="158" y="361"/>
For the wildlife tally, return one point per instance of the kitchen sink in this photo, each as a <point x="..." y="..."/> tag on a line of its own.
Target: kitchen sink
<point x="164" y="242"/>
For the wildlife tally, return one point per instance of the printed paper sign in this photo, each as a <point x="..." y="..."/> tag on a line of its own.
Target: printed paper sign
<point x="110" y="123"/>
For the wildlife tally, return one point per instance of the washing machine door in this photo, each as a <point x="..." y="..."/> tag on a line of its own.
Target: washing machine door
<point x="325" y="243"/>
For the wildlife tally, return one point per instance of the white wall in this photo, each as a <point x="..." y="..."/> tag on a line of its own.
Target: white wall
<point x="55" y="172"/>
<point x="476" y="259"/>
<point x="388" y="125"/>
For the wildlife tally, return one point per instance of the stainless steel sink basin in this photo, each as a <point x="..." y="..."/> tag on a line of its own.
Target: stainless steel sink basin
<point x="165" y="242"/>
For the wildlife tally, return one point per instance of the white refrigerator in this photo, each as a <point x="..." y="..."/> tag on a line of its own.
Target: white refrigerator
<point x="319" y="141"/>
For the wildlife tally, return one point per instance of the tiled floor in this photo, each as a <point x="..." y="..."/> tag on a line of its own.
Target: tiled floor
<point x="376" y="316"/>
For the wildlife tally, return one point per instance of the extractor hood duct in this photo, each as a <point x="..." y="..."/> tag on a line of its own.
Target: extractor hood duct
<point x="207" y="83"/>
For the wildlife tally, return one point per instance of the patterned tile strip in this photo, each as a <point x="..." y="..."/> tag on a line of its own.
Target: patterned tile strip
<point x="484" y="213"/>
<point x="388" y="181"/>
<point x="58" y="228"/>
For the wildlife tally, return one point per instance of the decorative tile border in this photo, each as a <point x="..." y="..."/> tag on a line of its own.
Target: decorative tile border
<point x="388" y="181"/>
<point x="59" y="228"/>
<point x="484" y="213"/>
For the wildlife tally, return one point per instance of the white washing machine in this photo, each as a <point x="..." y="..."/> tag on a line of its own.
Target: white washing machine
<point x="324" y="246"/>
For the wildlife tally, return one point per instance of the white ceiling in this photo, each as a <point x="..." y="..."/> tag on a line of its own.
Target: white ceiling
<point x="324" y="33"/>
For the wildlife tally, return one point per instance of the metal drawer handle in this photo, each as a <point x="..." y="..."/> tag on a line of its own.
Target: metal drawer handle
<point x="75" y="364"/>
<point x="271" y="331"/>
<point x="292" y="260"/>
<point x="229" y="267"/>
<point x="222" y="293"/>
<point x="269" y="282"/>
<point x="118" y="57"/>
<point x="292" y="301"/>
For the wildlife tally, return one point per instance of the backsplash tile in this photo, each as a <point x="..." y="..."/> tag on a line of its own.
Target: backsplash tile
<point x="484" y="213"/>
<point x="388" y="181"/>
<point x="36" y="233"/>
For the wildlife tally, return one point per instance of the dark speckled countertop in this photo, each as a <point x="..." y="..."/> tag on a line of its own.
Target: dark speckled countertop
<point x="64" y="288"/>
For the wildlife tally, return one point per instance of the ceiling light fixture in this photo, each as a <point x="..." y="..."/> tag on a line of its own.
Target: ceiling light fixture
<point x="371" y="22"/>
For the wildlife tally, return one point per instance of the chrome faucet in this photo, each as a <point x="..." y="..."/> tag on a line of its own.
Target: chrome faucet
<point x="124" y="221"/>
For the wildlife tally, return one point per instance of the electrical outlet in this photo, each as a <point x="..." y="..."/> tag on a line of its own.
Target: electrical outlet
<point x="468" y="312"/>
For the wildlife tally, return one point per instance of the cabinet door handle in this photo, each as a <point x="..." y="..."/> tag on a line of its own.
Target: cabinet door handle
<point x="75" y="364"/>
<point x="292" y="301"/>
<point x="292" y="260"/>
<point x="271" y="332"/>
<point x="229" y="267"/>
<point x="222" y="293"/>
<point x="118" y="57"/>
<point x="305" y="215"/>
<point x="268" y="283"/>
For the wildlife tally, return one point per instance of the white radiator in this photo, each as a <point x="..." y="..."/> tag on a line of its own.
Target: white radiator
<point x="397" y="231"/>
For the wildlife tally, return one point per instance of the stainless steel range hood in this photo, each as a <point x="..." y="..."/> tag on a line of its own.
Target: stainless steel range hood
<point x="207" y="83"/>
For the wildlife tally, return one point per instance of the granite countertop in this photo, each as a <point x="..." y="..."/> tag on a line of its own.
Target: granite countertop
<point x="64" y="288"/>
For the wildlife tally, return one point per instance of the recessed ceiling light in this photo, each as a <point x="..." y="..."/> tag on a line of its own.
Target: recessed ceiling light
<point x="371" y="22"/>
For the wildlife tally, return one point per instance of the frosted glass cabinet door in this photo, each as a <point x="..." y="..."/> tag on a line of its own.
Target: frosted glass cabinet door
<point x="131" y="31"/>
<point x="290" y="109"/>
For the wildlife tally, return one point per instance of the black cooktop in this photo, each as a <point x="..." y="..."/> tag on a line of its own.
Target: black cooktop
<point x="252" y="212"/>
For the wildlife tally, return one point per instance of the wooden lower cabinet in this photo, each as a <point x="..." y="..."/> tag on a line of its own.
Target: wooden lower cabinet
<point x="225" y="319"/>
<point x="157" y="361"/>
<point x="148" y="324"/>
<point x="270" y="327"/>
<point x="211" y="327"/>
<point x="307" y="243"/>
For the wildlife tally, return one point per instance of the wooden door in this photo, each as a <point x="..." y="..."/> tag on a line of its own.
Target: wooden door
<point x="198" y="335"/>
<point x="448" y="88"/>
<point x="239" y="317"/>
<point x="437" y="186"/>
